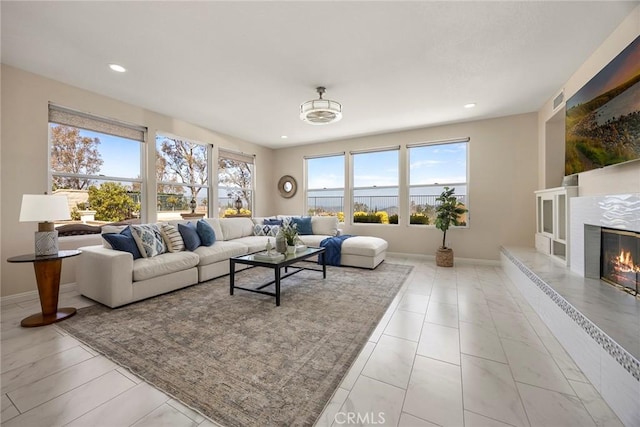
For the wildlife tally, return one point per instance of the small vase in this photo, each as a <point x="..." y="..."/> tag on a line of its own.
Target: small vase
<point x="281" y="244"/>
<point x="291" y="250"/>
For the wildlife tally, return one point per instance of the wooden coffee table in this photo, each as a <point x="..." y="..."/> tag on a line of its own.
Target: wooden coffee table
<point x="277" y="266"/>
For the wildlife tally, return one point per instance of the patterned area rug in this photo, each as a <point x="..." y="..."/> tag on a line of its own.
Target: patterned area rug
<point x="239" y="359"/>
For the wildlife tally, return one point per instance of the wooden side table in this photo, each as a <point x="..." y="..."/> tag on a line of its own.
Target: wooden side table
<point x="47" y="269"/>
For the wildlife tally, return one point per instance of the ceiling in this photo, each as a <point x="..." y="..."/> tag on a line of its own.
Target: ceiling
<point x="243" y="68"/>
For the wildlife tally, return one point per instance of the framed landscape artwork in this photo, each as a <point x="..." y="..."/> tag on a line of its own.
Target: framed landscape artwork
<point x="603" y="117"/>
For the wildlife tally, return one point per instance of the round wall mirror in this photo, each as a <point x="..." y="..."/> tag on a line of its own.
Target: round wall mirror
<point x="287" y="186"/>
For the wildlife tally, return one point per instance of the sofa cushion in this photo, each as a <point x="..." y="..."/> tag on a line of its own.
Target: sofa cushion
<point x="206" y="233"/>
<point x="149" y="239"/>
<point x="123" y="241"/>
<point x="326" y="225"/>
<point x="219" y="251"/>
<point x="172" y="238"/>
<point x="170" y="262"/>
<point x="364" y="246"/>
<point x="265" y="230"/>
<point x="255" y="243"/>
<point x="233" y="228"/>
<point x="272" y="221"/>
<point x="189" y="235"/>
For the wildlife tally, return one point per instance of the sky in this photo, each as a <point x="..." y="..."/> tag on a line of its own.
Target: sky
<point x="121" y="156"/>
<point x="432" y="164"/>
<point x="623" y="67"/>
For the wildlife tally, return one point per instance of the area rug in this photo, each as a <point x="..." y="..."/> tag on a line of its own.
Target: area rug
<point x="240" y="360"/>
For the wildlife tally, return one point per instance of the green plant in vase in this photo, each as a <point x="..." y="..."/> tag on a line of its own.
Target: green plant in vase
<point x="290" y="232"/>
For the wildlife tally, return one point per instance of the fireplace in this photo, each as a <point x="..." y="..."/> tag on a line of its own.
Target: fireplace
<point x="620" y="258"/>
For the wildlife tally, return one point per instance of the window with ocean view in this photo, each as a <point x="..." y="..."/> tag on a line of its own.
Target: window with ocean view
<point x="325" y="185"/>
<point x="431" y="168"/>
<point x="375" y="186"/>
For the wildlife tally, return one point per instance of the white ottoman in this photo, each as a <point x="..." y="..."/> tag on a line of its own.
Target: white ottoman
<point x="363" y="251"/>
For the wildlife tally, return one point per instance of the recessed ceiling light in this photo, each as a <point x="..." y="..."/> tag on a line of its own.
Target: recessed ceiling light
<point x="471" y="105"/>
<point x="118" y="68"/>
<point x="284" y="137"/>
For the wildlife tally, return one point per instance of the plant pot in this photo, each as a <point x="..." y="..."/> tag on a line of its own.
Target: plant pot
<point x="291" y="249"/>
<point x="444" y="257"/>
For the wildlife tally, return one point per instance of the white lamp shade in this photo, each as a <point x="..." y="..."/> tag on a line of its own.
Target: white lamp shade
<point x="43" y="207"/>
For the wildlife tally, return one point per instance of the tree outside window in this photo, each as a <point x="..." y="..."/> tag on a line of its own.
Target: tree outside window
<point x="181" y="176"/>
<point x="235" y="180"/>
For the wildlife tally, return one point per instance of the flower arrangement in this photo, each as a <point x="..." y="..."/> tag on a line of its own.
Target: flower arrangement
<point x="290" y="232"/>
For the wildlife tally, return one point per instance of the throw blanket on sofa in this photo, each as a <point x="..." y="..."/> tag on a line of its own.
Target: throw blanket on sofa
<point x="333" y="248"/>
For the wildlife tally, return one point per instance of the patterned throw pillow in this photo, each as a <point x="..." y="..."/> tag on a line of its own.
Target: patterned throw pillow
<point x="172" y="238"/>
<point x="265" y="230"/>
<point x="149" y="240"/>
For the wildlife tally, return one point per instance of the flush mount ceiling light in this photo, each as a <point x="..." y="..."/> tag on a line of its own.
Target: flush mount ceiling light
<point x="470" y="105"/>
<point x="320" y="111"/>
<point x="118" y="68"/>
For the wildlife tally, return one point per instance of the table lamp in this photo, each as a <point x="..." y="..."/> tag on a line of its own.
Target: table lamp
<point x="44" y="208"/>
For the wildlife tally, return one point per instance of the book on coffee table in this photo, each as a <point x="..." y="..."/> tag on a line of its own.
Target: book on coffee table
<point x="273" y="256"/>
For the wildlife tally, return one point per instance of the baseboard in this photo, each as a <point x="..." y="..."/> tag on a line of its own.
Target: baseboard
<point x="30" y="295"/>
<point x="458" y="260"/>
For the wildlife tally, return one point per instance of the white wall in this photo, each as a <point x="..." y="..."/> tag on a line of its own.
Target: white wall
<point x="24" y="159"/>
<point x="617" y="179"/>
<point x="502" y="177"/>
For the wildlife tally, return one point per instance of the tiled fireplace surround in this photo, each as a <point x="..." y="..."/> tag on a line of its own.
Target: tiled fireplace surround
<point x="598" y="325"/>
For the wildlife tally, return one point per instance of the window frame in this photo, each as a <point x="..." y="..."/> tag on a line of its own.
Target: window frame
<point x="249" y="159"/>
<point x="344" y="182"/>
<point x="64" y="116"/>
<point x="465" y="140"/>
<point x="352" y="187"/>
<point x="208" y="161"/>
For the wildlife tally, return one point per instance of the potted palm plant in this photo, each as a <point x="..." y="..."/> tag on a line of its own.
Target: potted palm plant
<point x="448" y="212"/>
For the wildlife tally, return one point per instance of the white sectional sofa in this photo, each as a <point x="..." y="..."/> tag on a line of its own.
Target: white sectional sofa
<point x="114" y="278"/>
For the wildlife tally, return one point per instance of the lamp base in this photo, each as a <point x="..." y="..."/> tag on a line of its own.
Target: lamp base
<point x="46" y="243"/>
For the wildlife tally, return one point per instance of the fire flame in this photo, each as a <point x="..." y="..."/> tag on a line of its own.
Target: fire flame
<point x="625" y="262"/>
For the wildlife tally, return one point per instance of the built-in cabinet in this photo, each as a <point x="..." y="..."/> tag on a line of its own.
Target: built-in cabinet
<point x="552" y="221"/>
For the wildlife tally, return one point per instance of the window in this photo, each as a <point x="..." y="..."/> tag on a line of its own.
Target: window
<point x="375" y="186"/>
<point x="433" y="166"/>
<point x="235" y="181"/>
<point x="325" y="185"/>
<point x="181" y="176"/>
<point x="96" y="163"/>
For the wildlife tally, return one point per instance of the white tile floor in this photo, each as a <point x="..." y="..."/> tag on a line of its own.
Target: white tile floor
<point x="457" y="347"/>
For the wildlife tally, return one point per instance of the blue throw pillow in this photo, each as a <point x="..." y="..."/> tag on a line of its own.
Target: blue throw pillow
<point x="123" y="242"/>
<point x="303" y="225"/>
<point x="270" y="221"/>
<point x="190" y="236"/>
<point x="206" y="233"/>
